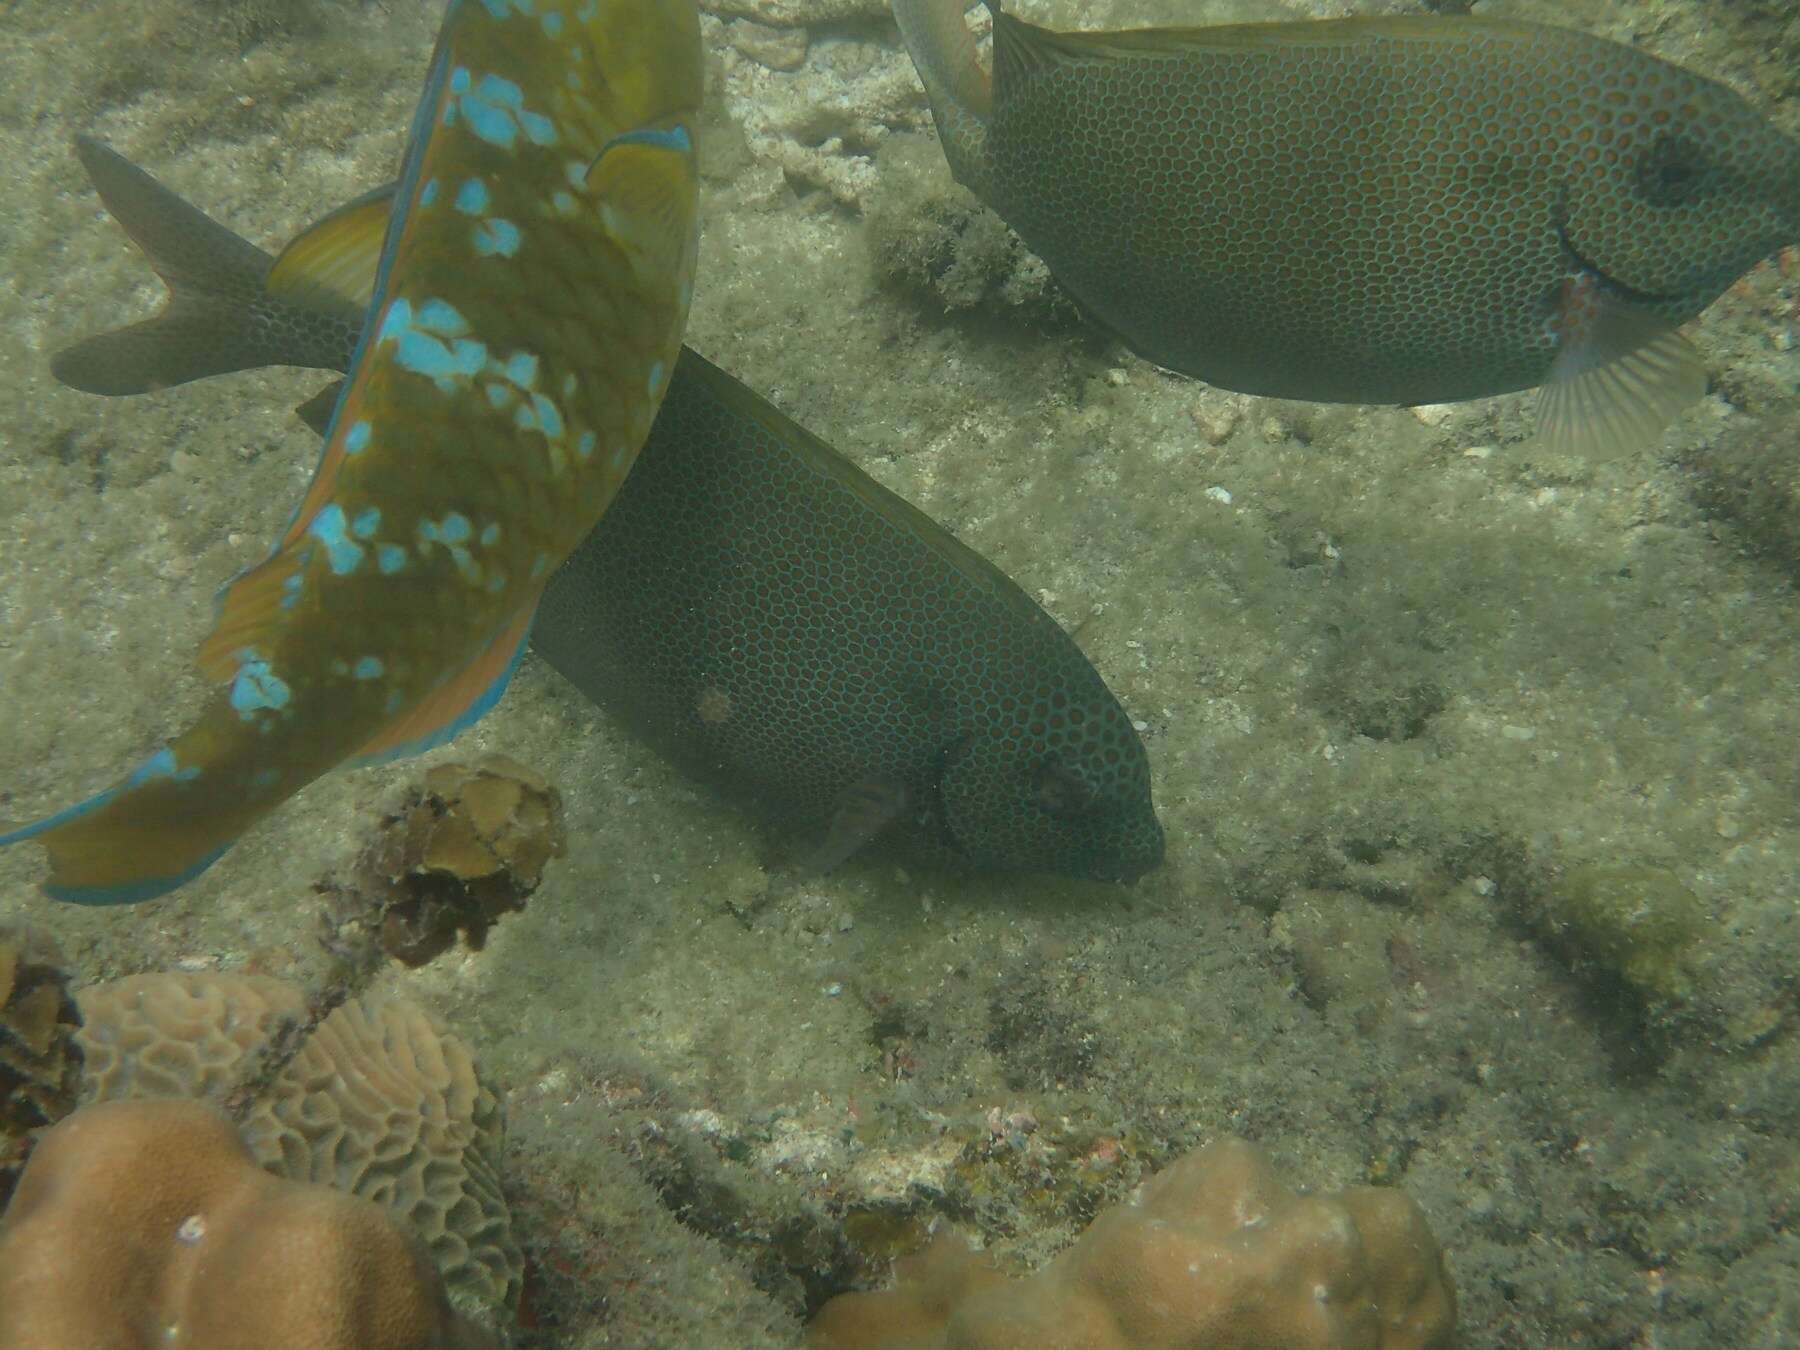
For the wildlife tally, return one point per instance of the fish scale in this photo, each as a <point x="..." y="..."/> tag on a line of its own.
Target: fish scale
<point x="527" y="308"/>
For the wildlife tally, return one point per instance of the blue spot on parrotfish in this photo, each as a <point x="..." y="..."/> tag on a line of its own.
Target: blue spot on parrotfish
<point x="340" y="550"/>
<point x="492" y="124"/>
<point x="428" y="193"/>
<point x="553" y="24"/>
<point x="263" y="778"/>
<point x="501" y="395"/>
<point x="368" y="520"/>
<point x="563" y="202"/>
<point x="356" y="439"/>
<point x="256" y="687"/>
<point x="441" y="317"/>
<point x="490" y="535"/>
<point x="656" y="376"/>
<point x="496" y="237"/>
<point x="472" y="197"/>
<point x="291" y="590"/>
<point x="459" y="80"/>
<point x="369" y="668"/>
<point x="585" y="446"/>
<point x="539" y="130"/>
<point x="390" y="558"/>
<point x="549" y="417"/>
<point x="522" y="369"/>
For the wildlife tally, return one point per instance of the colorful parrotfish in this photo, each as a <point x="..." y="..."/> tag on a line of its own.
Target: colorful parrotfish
<point x="526" y="315"/>
<point x="884" y="682"/>
<point x="1384" y="210"/>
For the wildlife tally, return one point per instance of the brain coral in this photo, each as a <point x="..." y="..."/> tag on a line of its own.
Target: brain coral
<point x="1214" y="1253"/>
<point x="147" y="1224"/>
<point x="379" y="1100"/>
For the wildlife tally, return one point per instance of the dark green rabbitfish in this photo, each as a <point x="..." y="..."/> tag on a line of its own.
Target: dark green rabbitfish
<point x="1381" y="210"/>
<point x="774" y="621"/>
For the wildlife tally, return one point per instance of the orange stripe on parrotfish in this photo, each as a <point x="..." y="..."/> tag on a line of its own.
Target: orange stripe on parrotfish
<point x="1381" y="210"/>
<point x="526" y="314"/>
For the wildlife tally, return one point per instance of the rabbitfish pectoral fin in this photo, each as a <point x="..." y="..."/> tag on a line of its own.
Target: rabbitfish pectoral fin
<point x="869" y="808"/>
<point x="1619" y="379"/>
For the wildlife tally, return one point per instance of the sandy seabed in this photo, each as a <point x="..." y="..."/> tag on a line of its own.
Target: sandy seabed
<point x="1422" y="701"/>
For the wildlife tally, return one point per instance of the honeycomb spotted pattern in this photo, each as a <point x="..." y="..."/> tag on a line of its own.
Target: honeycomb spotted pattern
<point x="786" y="629"/>
<point x="1373" y="210"/>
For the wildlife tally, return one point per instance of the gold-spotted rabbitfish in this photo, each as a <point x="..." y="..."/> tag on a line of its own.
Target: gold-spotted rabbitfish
<point x="755" y="606"/>
<point x="1383" y="210"/>
<point x="526" y="312"/>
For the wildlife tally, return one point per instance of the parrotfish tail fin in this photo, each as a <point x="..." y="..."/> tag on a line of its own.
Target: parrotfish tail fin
<point x="132" y="842"/>
<point x="1613" y="394"/>
<point x="210" y="325"/>
<point x="962" y="98"/>
<point x="648" y="184"/>
<point x="459" y="703"/>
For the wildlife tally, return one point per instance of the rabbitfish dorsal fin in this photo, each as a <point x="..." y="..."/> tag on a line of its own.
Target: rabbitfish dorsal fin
<point x="331" y="266"/>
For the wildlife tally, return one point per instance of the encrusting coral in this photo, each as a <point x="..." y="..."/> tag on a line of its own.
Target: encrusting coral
<point x="146" y="1224"/>
<point x="1215" y="1253"/>
<point x="380" y="1100"/>
<point x="39" y="1061"/>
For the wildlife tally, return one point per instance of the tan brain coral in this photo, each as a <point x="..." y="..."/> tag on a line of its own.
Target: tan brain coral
<point x="148" y="1224"/>
<point x="1215" y="1254"/>
<point x="380" y="1100"/>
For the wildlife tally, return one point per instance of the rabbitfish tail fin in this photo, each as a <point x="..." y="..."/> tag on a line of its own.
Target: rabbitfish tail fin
<point x="218" y="317"/>
<point x="962" y="99"/>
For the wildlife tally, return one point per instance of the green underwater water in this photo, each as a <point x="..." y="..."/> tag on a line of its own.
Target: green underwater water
<point x="1477" y="764"/>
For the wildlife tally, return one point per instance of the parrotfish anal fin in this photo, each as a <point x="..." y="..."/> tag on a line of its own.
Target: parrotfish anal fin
<point x="1603" y="405"/>
<point x="646" y="182"/>
<point x="331" y="267"/>
<point x="207" y="327"/>
<point x="868" y="809"/>
<point x="316" y="411"/>
<point x="460" y="703"/>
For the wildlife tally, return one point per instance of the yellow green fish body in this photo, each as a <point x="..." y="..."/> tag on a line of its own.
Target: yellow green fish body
<point x="1388" y="210"/>
<point x="526" y="314"/>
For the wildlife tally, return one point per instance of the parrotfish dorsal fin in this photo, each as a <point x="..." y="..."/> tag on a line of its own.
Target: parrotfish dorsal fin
<point x="209" y="325"/>
<point x="331" y="266"/>
<point x="646" y="182"/>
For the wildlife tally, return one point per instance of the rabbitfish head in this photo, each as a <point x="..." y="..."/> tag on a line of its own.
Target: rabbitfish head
<point x="1683" y="187"/>
<point x="1067" y="791"/>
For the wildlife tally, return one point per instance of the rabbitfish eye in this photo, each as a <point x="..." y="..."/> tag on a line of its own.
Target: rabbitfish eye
<point x="1061" y="791"/>
<point x="1672" y="172"/>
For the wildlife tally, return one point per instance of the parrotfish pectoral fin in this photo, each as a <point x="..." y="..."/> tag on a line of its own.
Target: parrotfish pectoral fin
<point x="103" y="851"/>
<point x="331" y="266"/>
<point x="207" y="327"/>
<point x="647" y="181"/>
<point x="868" y="809"/>
<point x="461" y="702"/>
<point x="1604" y="405"/>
